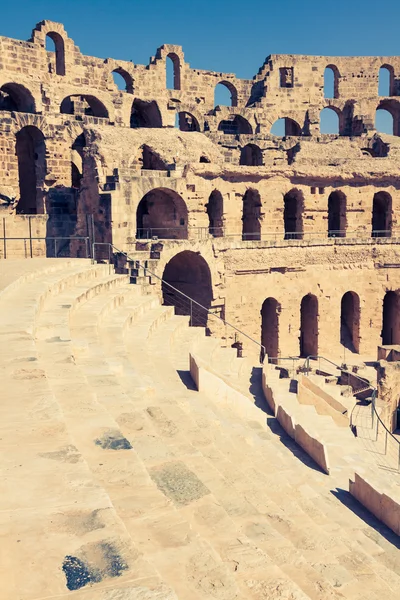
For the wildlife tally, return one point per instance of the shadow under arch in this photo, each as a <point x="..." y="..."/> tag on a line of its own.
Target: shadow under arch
<point x="145" y="114"/>
<point x="83" y="104"/>
<point x="162" y="213"/>
<point x="350" y="321"/>
<point x="16" y="97"/>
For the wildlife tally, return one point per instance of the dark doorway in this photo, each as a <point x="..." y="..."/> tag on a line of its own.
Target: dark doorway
<point x="251" y="156"/>
<point x="293" y="215"/>
<point x="337" y="214"/>
<point x="309" y="326"/>
<point x="251" y="219"/>
<point x="350" y="321"/>
<point x="145" y="114"/>
<point x="162" y="213"/>
<point x="382" y="215"/>
<point x="270" y="328"/>
<point x="215" y="212"/>
<point x="31" y="155"/>
<point x="188" y="273"/>
<point x="391" y="319"/>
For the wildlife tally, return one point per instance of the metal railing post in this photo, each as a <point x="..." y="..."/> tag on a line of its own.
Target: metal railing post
<point x="55" y="247"/>
<point x="87" y="247"/>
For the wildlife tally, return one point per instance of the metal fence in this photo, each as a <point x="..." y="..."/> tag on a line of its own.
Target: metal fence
<point x="51" y="247"/>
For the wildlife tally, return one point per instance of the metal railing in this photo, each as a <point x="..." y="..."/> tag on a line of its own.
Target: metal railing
<point x="53" y="245"/>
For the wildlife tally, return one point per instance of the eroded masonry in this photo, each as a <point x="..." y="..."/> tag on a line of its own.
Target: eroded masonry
<point x="292" y="238"/>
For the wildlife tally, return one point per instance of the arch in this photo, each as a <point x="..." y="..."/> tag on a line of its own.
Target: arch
<point x="189" y="273"/>
<point x="337" y="217"/>
<point x="285" y="127"/>
<point x="309" y="326"/>
<point x="331" y="82"/>
<point x="16" y="97"/>
<point x="59" y="48"/>
<point x="162" y="213"/>
<point x="235" y="125"/>
<point x="187" y="122"/>
<point x="391" y="319"/>
<point x="221" y="97"/>
<point x="270" y="311"/>
<point x="83" y="105"/>
<point x="382" y="215"/>
<point x="251" y="217"/>
<point x="350" y="321"/>
<point x="329" y="121"/>
<point x="293" y="215"/>
<point x="123" y="80"/>
<point x="145" y="114"/>
<point x="151" y="160"/>
<point x="385" y="80"/>
<point x="30" y="149"/>
<point x="204" y="159"/>
<point x="173" y="75"/>
<point x="251" y="156"/>
<point x="215" y="212"/>
<point x="384" y="121"/>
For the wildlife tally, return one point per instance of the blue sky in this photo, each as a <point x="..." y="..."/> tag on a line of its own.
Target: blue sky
<point x="228" y="36"/>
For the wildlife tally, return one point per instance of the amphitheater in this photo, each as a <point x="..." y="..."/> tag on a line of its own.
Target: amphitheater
<point x="199" y="328"/>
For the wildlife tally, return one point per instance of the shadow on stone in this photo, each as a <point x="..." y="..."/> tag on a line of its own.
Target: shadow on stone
<point x="256" y="390"/>
<point x="187" y="380"/>
<point x="291" y="445"/>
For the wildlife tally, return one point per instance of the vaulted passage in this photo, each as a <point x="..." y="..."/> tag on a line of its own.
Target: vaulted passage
<point x="188" y="273"/>
<point x="31" y="154"/>
<point x="350" y="321"/>
<point x="337" y="214"/>
<point x="251" y="156"/>
<point x="309" y="326"/>
<point x="251" y="219"/>
<point x="215" y="212"/>
<point x="293" y="215"/>
<point x="145" y="114"/>
<point x="391" y="319"/>
<point x="162" y="213"/>
<point x="81" y="106"/>
<point x="382" y="215"/>
<point x="270" y="328"/>
<point x="16" y="98"/>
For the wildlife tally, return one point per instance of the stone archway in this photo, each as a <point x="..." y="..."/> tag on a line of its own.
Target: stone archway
<point x="309" y="326"/>
<point x="31" y="155"/>
<point x="391" y="319"/>
<point x="162" y="213"/>
<point x="270" y="328"/>
<point x="350" y="321"/>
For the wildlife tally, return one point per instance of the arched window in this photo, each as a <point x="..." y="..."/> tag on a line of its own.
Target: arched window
<point x="83" y="105"/>
<point x="309" y="326"/>
<point x="173" y="71"/>
<point x="17" y="98"/>
<point x="123" y="80"/>
<point x="293" y="215"/>
<point x="251" y="218"/>
<point x="285" y="127"/>
<point x="384" y="121"/>
<point x="187" y="122"/>
<point x="162" y="213"/>
<point x="337" y="218"/>
<point x="235" y="125"/>
<point x="331" y="82"/>
<point x="251" y="156"/>
<point x="350" y="321"/>
<point x="31" y="155"/>
<point x="385" y="81"/>
<point x="391" y="319"/>
<point x="382" y="215"/>
<point x="329" y="121"/>
<point x="145" y="114"/>
<point x="215" y="212"/>
<point x="55" y="43"/>
<point x="270" y="328"/>
<point x="225" y="94"/>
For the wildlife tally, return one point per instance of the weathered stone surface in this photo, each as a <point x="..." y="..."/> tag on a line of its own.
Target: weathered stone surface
<point x="177" y="482"/>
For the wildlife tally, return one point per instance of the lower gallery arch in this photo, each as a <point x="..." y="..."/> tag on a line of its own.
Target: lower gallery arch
<point x="391" y="319"/>
<point x="270" y="328"/>
<point x="251" y="218"/>
<point x="251" y="156"/>
<point x="31" y="156"/>
<point x="382" y="215"/>
<point x="215" y="212"/>
<point x="309" y="326"/>
<point x="350" y="321"/>
<point x="293" y="215"/>
<point x="337" y="214"/>
<point x="189" y="273"/>
<point x="162" y="213"/>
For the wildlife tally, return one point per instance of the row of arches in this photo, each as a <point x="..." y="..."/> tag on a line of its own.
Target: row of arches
<point x="386" y="81"/>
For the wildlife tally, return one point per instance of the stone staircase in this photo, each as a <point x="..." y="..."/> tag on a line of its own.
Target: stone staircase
<point x="121" y="481"/>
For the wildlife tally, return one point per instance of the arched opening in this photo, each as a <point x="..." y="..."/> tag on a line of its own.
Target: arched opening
<point x="215" y="212"/>
<point x="270" y="328"/>
<point x="225" y="94"/>
<point x="337" y="218"/>
<point x="204" y="159"/>
<point x="162" y="213"/>
<point x="331" y="82"/>
<point x="81" y="106"/>
<point x="145" y="114"/>
<point x="384" y="121"/>
<point x="385" y="80"/>
<point x="77" y="161"/>
<point x="76" y="176"/>
<point x="55" y="43"/>
<point x="350" y="321"/>
<point x="329" y="121"/>
<point x="188" y="273"/>
<point x="151" y="160"/>
<point x="187" y="122"/>
<point x="309" y="326"/>
<point x="391" y="319"/>
<point x="285" y="127"/>
<point x="31" y="155"/>
<point x="123" y="80"/>
<point x="382" y="215"/>
<point x="293" y="215"/>
<point x="235" y="125"/>
<point x="251" y="156"/>
<point x="251" y="218"/>
<point x="173" y="71"/>
<point x="17" y="98"/>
